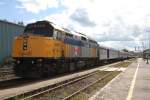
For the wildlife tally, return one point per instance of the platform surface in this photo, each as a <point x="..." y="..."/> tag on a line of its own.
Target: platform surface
<point x="142" y="85"/>
<point x="132" y="84"/>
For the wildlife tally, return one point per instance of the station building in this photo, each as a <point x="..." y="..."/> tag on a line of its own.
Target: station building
<point x="8" y="31"/>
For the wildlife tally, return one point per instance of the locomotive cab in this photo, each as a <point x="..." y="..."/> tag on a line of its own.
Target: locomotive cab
<point x="37" y="41"/>
<point x="36" y="46"/>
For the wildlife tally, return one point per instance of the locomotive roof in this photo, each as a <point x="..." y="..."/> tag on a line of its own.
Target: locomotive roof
<point x="65" y="30"/>
<point x="53" y="25"/>
<point x="146" y="51"/>
<point x="58" y="27"/>
<point x="75" y="33"/>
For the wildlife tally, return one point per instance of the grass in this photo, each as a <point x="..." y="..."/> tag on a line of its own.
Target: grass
<point x="69" y="89"/>
<point x="86" y="94"/>
<point x="124" y="64"/>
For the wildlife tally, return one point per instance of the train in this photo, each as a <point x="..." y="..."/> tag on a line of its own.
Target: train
<point x="45" y="49"/>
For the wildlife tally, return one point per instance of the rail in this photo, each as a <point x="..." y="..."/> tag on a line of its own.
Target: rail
<point x="77" y="92"/>
<point x="43" y="90"/>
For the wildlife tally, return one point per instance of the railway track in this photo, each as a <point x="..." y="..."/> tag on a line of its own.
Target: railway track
<point x="85" y="84"/>
<point x="94" y="77"/>
<point x="86" y="81"/>
<point x="84" y="88"/>
<point x="7" y="73"/>
<point x="51" y="87"/>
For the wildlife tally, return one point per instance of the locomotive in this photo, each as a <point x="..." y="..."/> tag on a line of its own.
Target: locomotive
<point x="45" y="48"/>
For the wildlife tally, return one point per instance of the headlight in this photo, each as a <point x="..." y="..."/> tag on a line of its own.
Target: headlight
<point x="32" y="62"/>
<point x="18" y="61"/>
<point x="39" y="60"/>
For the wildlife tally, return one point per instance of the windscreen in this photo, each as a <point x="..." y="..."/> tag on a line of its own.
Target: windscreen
<point x="39" y="29"/>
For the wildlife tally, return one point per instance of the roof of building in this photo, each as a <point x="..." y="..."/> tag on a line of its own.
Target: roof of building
<point x="146" y="51"/>
<point x="5" y="21"/>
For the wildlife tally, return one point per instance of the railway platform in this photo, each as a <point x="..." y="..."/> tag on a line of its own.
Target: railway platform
<point x="132" y="84"/>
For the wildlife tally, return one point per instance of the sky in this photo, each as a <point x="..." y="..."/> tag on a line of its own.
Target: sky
<point x="119" y="24"/>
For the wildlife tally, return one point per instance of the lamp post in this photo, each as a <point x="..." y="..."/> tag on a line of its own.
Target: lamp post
<point x="147" y="58"/>
<point x="147" y="61"/>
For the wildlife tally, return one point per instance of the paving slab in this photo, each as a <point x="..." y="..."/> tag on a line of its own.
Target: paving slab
<point x="124" y="88"/>
<point x="142" y="85"/>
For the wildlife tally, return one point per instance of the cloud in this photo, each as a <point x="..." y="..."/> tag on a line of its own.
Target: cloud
<point x="119" y="45"/>
<point x="35" y="6"/>
<point x="116" y="23"/>
<point x="81" y="16"/>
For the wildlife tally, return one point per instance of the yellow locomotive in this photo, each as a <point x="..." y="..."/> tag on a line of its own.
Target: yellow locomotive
<point x="44" y="49"/>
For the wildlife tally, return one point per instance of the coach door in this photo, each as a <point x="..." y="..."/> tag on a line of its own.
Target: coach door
<point x="107" y="53"/>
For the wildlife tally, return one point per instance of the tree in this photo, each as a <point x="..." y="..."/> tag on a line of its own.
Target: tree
<point x="125" y="50"/>
<point x="21" y="23"/>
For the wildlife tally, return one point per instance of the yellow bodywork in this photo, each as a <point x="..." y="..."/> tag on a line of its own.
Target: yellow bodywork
<point x="68" y="50"/>
<point x="94" y="52"/>
<point x="37" y="46"/>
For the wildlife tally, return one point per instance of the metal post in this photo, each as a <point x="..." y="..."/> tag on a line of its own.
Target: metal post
<point x="149" y="40"/>
<point x="147" y="61"/>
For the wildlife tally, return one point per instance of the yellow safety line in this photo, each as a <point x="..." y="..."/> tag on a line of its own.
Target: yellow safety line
<point x="130" y="93"/>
